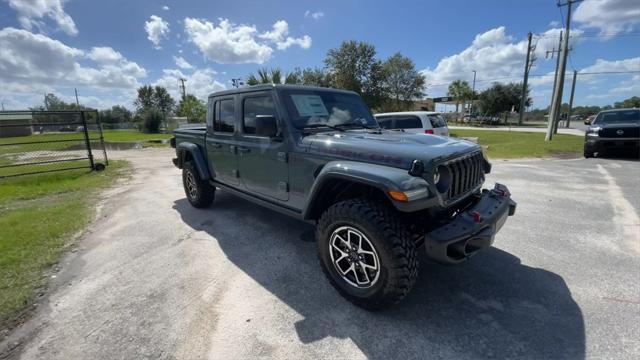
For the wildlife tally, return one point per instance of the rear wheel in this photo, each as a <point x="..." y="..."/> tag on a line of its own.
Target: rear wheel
<point x="366" y="253"/>
<point x="199" y="192"/>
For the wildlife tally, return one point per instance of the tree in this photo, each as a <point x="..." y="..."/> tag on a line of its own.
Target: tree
<point x="502" y="97"/>
<point x="192" y="108"/>
<point x="632" y="102"/>
<point x="272" y="76"/>
<point x="315" y="77"/>
<point x="353" y="66"/>
<point x="117" y="114"/>
<point x="144" y="100"/>
<point x="163" y="101"/>
<point x="151" y="120"/>
<point x="461" y="92"/>
<point x="401" y="82"/>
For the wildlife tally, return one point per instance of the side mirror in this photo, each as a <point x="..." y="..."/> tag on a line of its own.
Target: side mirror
<point x="266" y="125"/>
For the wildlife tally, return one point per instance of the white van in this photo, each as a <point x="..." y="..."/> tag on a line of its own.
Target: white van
<point x="427" y="122"/>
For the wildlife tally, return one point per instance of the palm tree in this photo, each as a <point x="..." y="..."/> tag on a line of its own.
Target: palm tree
<point x="273" y="76"/>
<point x="460" y="91"/>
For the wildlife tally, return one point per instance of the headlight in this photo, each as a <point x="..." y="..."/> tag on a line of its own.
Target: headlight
<point x="593" y="131"/>
<point x="443" y="176"/>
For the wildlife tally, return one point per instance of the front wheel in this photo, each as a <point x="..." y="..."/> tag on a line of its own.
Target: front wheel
<point x="587" y="153"/>
<point x="199" y="192"/>
<point x="366" y="253"/>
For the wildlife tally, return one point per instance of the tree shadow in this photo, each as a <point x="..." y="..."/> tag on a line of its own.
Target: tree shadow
<point x="491" y="306"/>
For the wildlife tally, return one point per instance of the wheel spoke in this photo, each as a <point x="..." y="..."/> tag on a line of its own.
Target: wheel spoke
<point x="357" y="266"/>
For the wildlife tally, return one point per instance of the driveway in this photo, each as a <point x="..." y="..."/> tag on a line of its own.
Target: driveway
<point x="156" y="278"/>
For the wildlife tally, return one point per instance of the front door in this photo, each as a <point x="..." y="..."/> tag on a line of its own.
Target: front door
<point x="262" y="161"/>
<point x="221" y="141"/>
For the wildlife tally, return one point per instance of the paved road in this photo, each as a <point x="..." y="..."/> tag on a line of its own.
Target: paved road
<point x="155" y="278"/>
<point x="579" y="131"/>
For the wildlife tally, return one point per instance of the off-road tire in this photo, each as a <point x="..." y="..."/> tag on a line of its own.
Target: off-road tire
<point x="392" y="242"/>
<point x="201" y="193"/>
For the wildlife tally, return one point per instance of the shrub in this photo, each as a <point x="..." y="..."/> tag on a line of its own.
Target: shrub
<point x="151" y="121"/>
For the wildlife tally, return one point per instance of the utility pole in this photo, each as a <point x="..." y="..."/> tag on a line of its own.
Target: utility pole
<point x="77" y="102"/>
<point x="557" y="94"/>
<point x="184" y="90"/>
<point x="527" y="66"/>
<point x="573" y="90"/>
<point x="46" y="103"/>
<point x="553" y="106"/>
<point x="473" y="92"/>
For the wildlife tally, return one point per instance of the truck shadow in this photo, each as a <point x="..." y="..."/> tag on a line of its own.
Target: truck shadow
<point x="491" y="306"/>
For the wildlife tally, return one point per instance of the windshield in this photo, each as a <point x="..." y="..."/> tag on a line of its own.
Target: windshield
<point x="619" y="116"/>
<point x="310" y="108"/>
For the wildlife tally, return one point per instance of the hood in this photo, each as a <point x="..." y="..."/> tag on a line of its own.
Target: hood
<point x="391" y="148"/>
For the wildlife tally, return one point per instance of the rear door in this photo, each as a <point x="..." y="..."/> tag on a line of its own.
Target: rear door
<point x="263" y="161"/>
<point x="222" y="140"/>
<point x="439" y="124"/>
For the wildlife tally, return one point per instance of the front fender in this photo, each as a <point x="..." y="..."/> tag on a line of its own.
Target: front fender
<point x="185" y="148"/>
<point x="384" y="178"/>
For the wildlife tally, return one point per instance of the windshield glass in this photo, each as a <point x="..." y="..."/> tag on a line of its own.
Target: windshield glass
<point x="620" y="116"/>
<point x="309" y="108"/>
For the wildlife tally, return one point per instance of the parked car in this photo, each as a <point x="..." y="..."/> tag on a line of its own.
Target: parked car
<point x="589" y="119"/>
<point x="376" y="196"/>
<point x="615" y="130"/>
<point x="428" y="122"/>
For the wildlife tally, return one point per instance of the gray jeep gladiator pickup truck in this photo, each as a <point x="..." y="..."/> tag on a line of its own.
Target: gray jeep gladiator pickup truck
<point x="376" y="196"/>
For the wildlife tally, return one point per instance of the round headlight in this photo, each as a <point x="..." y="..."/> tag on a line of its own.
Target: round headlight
<point x="443" y="176"/>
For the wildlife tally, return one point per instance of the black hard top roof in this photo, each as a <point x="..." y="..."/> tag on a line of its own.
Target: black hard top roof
<point x="247" y="89"/>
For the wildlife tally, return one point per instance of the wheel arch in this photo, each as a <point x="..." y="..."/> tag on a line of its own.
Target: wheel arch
<point x="191" y="152"/>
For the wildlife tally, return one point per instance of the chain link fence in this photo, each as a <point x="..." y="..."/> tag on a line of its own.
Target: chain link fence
<point x="33" y="142"/>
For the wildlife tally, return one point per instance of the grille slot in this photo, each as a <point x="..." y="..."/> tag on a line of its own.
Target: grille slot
<point x="466" y="175"/>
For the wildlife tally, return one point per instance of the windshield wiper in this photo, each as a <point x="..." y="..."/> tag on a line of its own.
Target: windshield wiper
<point x="364" y="126"/>
<point x="319" y="125"/>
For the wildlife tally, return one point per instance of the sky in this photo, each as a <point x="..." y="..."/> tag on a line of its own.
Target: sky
<point x="107" y="49"/>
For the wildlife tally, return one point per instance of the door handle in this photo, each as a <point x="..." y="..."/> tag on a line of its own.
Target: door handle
<point x="243" y="149"/>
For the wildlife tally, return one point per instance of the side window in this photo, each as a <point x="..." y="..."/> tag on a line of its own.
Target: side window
<point x="252" y="107"/>
<point x="224" y="120"/>
<point x="409" y="122"/>
<point x="385" y="122"/>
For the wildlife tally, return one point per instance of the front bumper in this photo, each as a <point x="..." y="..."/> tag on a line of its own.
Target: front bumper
<point x="599" y="144"/>
<point x="471" y="230"/>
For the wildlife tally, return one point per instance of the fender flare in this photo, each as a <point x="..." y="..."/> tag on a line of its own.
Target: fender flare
<point x="186" y="147"/>
<point x="381" y="177"/>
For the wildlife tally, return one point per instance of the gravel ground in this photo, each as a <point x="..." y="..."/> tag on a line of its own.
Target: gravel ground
<point x="156" y="278"/>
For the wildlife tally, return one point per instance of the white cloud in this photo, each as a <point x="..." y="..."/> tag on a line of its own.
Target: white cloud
<point x="315" y="15"/>
<point x="494" y="55"/>
<point x="30" y="14"/>
<point x="200" y="82"/>
<point x="554" y="24"/>
<point x="165" y="8"/>
<point x="609" y="16"/>
<point x="231" y="43"/>
<point x="182" y="63"/>
<point x="32" y="63"/>
<point x="279" y="37"/>
<point x="156" y="29"/>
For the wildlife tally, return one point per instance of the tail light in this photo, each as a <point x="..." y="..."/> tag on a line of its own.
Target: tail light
<point x="428" y="131"/>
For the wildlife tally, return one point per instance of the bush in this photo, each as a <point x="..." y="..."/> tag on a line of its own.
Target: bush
<point x="151" y="121"/>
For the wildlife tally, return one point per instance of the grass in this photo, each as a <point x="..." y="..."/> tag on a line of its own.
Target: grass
<point x="132" y="136"/>
<point x="39" y="214"/>
<point x="513" y="144"/>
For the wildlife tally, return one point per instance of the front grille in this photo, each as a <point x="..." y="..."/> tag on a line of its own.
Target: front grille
<point x="627" y="132"/>
<point x="466" y="175"/>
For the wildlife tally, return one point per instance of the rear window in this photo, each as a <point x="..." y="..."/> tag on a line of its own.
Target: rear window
<point x="224" y="117"/>
<point x="408" y="122"/>
<point x="385" y="122"/>
<point x="437" y="121"/>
